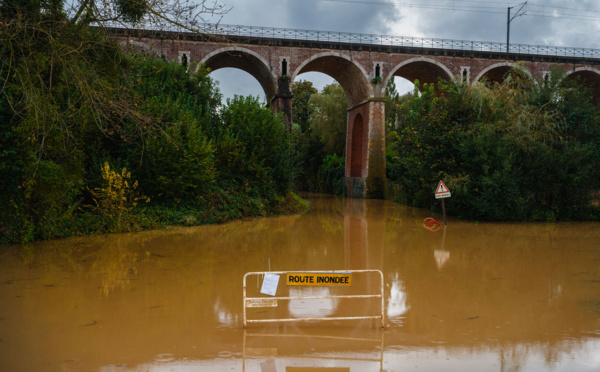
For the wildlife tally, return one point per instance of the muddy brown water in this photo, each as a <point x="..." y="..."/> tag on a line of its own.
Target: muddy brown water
<point x="475" y="297"/>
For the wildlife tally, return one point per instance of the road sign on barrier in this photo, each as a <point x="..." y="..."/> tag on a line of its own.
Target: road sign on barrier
<point x="315" y="278"/>
<point x="319" y="279"/>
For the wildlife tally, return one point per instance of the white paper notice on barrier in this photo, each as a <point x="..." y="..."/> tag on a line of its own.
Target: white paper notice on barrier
<point x="269" y="285"/>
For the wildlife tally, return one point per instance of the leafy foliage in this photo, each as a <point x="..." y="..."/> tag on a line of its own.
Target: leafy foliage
<point x="174" y="157"/>
<point x="60" y="85"/>
<point x="131" y="10"/>
<point x="302" y="92"/>
<point x="116" y="198"/>
<point x="514" y="151"/>
<point x="320" y="142"/>
<point x="72" y="103"/>
<point x="331" y="174"/>
<point x="329" y="119"/>
<point x="253" y="148"/>
<point x="395" y="106"/>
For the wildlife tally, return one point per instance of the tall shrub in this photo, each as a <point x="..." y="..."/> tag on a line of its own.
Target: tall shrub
<point x="253" y="149"/>
<point x="174" y="160"/>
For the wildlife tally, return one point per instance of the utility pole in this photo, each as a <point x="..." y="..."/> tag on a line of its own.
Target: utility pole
<point x="509" y="19"/>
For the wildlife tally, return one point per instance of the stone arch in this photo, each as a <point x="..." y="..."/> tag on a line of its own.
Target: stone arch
<point x="246" y="60"/>
<point x="357" y="153"/>
<point x="590" y="77"/>
<point x="365" y="135"/>
<point x="497" y="72"/>
<point x="350" y="75"/>
<point x="426" y="70"/>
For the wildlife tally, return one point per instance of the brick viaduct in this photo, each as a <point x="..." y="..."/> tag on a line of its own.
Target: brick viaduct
<point x="363" y="71"/>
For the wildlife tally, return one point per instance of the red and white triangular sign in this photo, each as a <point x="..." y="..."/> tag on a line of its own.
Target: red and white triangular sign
<point x="442" y="191"/>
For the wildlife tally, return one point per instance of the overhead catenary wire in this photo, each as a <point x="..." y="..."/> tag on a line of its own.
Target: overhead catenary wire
<point x="490" y="7"/>
<point x="416" y="5"/>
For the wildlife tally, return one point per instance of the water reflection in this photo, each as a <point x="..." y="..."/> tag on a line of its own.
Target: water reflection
<point x="441" y="258"/>
<point x="313" y="351"/>
<point x="356" y="235"/>
<point x="116" y="264"/>
<point x="441" y="255"/>
<point x="313" y="308"/>
<point x="224" y="316"/>
<point x="397" y="305"/>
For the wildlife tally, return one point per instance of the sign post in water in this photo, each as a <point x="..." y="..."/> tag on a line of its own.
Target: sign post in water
<point x="442" y="192"/>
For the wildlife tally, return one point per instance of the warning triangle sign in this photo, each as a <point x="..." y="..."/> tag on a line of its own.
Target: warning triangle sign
<point x="442" y="191"/>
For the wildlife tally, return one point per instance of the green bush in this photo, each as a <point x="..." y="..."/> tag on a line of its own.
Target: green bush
<point x="174" y="160"/>
<point x="329" y="117"/>
<point x="252" y="148"/>
<point x="309" y="152"/>
<point x="331" y="175"/>
<point x="514" y="151"/>
<point x="320" y="144"/>
<point x="64" y="115"/>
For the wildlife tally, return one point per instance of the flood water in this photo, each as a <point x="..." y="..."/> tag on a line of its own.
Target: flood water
<point x="470" y="297"/>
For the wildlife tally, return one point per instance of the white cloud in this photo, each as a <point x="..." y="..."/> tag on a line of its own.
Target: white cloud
<point x="405" y="22"/>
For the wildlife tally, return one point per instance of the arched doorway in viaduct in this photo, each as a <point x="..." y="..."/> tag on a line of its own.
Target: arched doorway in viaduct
<point x="245" y="60"/>
<point x="365" y="128"/>
<point x="497" y="73"/>
<point x="425" y="70"/>
<point x="588" y="77"/>
<point x="357" y="156"/>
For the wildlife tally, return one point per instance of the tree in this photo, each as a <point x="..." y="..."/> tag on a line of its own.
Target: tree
<point x="190" y="16"/>
<point x="302" y="91"/>
<point x="329" y="118"/>
<point x="158" y="13"/>
<point x="253" y="148"/>
<point x="396" y="106"/>
<point x="29" y="8"/>
<point x="67" y="106"/>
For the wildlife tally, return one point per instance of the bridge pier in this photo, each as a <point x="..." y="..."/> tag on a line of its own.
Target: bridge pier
<point x="365" y="150"/>
<point x="282" y="102"/>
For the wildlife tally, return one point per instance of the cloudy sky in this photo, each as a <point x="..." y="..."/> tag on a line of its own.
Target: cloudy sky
<point x="573" y="23"/>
